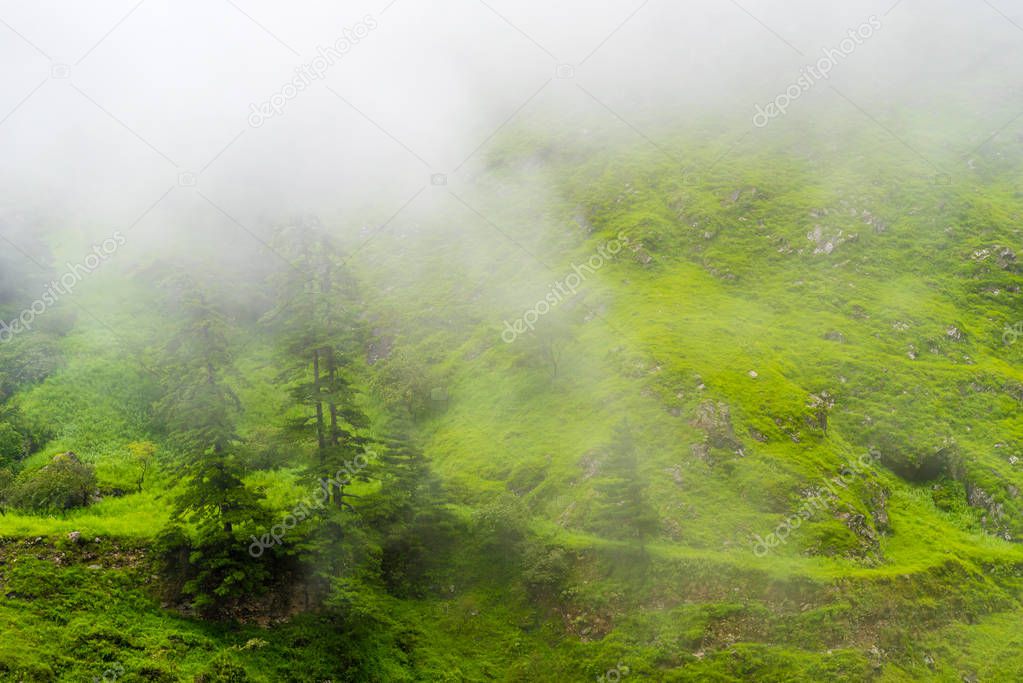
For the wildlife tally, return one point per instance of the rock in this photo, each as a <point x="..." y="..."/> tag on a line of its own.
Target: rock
<point x="715" y="419"/>
<point x="95" y="567"/>
<point x="75" y="536"/>
<point x="821" y="404"/>
<point x="753" y="374"/>
<point x="857" y="523"/>
<point x="583" y="221"/>
<point x="825" y="243"/>
<point x="979" y="498"/>
<point x="954" y="333"/>
<point x="379" y="347"/>
<point x="879" y="507"/>
<point x="701" y="452"/>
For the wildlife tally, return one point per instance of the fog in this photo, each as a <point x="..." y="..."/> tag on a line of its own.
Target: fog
<point x="436" y="143"/>
<point x="141" y="115"/>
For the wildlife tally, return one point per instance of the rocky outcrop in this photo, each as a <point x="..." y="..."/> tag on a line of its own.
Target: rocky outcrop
<point x="715" y="420"/>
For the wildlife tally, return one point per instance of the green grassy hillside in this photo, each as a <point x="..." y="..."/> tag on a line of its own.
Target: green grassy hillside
<point x="809" y="351"/>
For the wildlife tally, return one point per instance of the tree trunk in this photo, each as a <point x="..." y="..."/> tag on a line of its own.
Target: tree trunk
<point x="332" y="374"/>
<point x="319" y="405"/>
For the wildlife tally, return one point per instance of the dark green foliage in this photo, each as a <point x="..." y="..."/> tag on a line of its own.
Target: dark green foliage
<point x="28" y="359"/>
<point x="403" y="384"/>
<point x="500" y="529"/>
<point x="213" y="565"/>
<point x="317" y="333"/>
<point x="223" y="670"/>
<point x="31" y="430"/>
<point x="314" y="297"/>
<point x="198" y="408"/>
<point x="623" y="509"/>
<point x="6" y="481"/>
<point x="199" y="413"/>
<point x="222" y="571"/>
<point x="63" y="484"/>
<point x="12" y="444"/>
<point x="546" y="570"/>
<point x="416" y="531"/>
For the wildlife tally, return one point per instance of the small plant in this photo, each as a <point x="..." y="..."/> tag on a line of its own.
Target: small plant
<point x="142" y="454"/>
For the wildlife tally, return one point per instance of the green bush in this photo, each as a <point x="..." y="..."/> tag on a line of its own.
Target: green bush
<point x="12" y="444"/>
<point x="64" y="484"/>
<point x="546" y="570"/>
<point x="223" y="670"/>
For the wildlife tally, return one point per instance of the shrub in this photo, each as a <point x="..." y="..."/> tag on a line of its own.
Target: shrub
<point x="12" y="444"/>
<point x="546" y="570"/>
<point x="64" y="484"/>
<point x="222" y="670"/>
<point x="403" y="381"/>
<point x="6" y="481"/>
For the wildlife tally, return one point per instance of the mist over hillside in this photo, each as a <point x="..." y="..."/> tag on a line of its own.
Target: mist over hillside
<point x="505" y="340"/>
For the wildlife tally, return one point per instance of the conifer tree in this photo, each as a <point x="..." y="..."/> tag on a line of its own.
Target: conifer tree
<point x="623" y="508"/>
<point x="416" y="529"/>
<point x="318" y="333"/>
<point x="199" y="410"/>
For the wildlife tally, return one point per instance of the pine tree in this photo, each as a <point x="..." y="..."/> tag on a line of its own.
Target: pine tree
<point x="198" y="411"/>
<point x="404" y="471"/>
<point x="318" y="333"/>
<point x="416" y="530"/>
<point x="198" y="408"/>
<point x="623" y="509"/>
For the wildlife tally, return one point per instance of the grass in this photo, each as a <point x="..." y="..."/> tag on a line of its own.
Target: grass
<point x="924" y="586"/>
